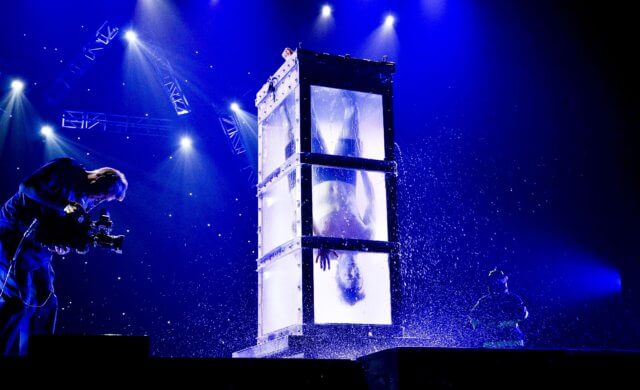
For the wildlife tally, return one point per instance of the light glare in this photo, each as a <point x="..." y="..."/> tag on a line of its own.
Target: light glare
<point x="389" y="21"/>
<point x="17" y="85"/>
<point x="131" y="36"/>
<point x="47" y="131"/>
<point x="186" y="142"/>
<point x="326" y="11"/>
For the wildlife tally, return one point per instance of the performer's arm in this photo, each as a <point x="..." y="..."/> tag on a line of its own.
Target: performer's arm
<point x="287" y="122"/>
<point x="471" y="318"/>
<point x="351" y="128"/>
<point x="369" y="216"/>
<point x="478" y="316"/>
<point x="524" y="312"/>
<point x="317" y="142"/>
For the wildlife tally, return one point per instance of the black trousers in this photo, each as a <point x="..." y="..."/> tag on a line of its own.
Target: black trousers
<point x="18" y="322"/>
<point x="28" y="305"/>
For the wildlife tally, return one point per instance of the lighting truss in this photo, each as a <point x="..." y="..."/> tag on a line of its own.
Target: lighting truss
<point x="104" y="36"/>
<point x="169" y="81"/>
<point x="119" y="124"/>
<point x="230" y="129"/>
<point x="78" y="66"/>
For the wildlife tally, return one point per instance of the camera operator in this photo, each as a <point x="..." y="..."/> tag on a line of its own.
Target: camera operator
<point x="36" y="222"/>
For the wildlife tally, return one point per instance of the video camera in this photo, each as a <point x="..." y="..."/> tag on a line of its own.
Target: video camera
<point x="100" y="234"/>
<point x="80" y="234"/>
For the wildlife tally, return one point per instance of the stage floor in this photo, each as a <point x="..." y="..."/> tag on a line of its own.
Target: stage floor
<point x="123" y="360"/>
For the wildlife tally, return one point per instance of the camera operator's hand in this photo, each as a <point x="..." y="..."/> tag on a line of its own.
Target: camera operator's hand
<point x="72" y="208"/>
<point x="76" y="211"/>
<point x="59" y="249"/>
<point x="82" y="251"/>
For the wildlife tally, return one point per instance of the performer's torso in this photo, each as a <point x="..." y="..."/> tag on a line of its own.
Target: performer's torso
<point x="335" y="211"/>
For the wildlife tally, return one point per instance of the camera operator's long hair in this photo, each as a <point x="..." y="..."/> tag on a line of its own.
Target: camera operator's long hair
<point x="109" y="181"/>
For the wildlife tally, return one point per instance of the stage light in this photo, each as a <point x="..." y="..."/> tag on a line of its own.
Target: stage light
<point x="326" y="11"/>
<point x="47" y="131"/>
<point x="17" y="86"/>
<point x="235" y="107"/>
<point x="131" y="36"/>
<point x="389" y="21"/>
<point x="186" y="142"/>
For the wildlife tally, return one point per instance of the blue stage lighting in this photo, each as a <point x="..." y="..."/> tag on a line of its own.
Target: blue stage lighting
<point x="131" y="36"/>
<point x="389" y="21"/>
<point x="47" y="131"/>
<point x="326" y="11"/>
<point x="186" y="142"/>
<point x="235" y="107"/>
<point x="17" y="86"/>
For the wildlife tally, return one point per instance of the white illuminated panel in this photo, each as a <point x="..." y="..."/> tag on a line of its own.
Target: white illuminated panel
<point x="355" y="290"/>
<point x="341" y="114"/>
<point x="281" y="293"/>
<point x="280" y="212"/>
<point x="279" y="131"/>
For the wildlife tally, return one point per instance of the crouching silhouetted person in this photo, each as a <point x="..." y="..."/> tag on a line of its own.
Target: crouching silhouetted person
<point x="496" y="316"/>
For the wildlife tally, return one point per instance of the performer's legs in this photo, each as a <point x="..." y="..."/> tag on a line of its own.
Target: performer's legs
<point x="347" y="145"/>
<point x="350" y="126"/>
<point x="317" y="143"/>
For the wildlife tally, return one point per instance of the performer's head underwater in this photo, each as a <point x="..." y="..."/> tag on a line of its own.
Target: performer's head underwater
<point x="349" y="279"/>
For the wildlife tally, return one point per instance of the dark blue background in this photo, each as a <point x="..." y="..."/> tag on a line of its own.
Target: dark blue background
<point x="516" y="130"/>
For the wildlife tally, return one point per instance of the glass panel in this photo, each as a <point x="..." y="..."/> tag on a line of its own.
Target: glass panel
<point x="349" y="203"/>
<point x="281" y="293"/>
<point x="354" y="290"/>
<point x="280" y="212"/>
<point x="279" y="132"/>
<point x="347" y="123"/>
